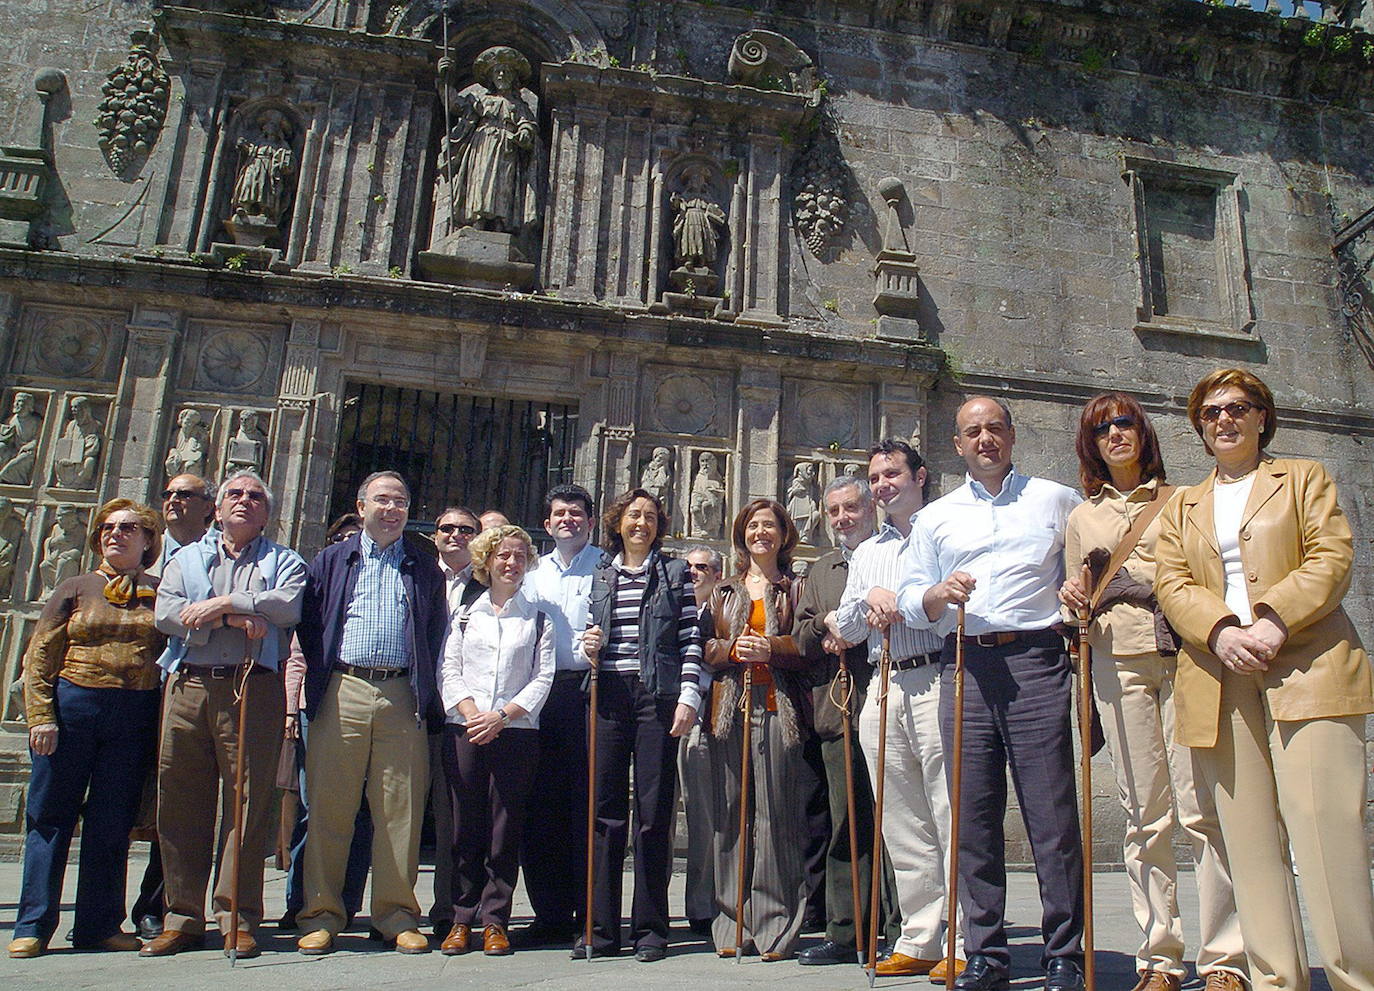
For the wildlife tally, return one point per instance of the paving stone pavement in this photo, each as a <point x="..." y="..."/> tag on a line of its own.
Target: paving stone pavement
<point x="359" y="962"/>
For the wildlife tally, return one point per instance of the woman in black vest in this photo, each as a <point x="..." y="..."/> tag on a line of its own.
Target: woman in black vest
<point x="644" y="642"/>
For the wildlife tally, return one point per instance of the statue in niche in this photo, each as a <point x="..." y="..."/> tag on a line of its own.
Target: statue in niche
<point x="657" y="476"/>
<point x="191" y="447"/>
<point x="802" y="504"/>
<point x="263" y="182"/>
<point x="19" y="440"/>
<point x="78" y="451"/>
<point x="697" y="222"/>
<point x="11" y="536"/>
<point x="62" y="550"/>
<point x="707" y="504"/>
<point x="248" y="446"/>
<point x="491" y="148"/>
<point x="853" y="471"/>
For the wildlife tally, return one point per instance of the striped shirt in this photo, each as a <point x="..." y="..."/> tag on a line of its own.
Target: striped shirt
<point x="620" y="652"/>
<point x="877" y="563"/>
<point x="377" y="623"/>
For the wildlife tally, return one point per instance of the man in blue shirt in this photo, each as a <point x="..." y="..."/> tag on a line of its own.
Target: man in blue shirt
<point x="996" y="545"/>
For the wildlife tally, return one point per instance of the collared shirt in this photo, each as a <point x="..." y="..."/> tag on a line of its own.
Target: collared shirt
<point x="565" y="593"/>
<point x="494" y="658"/>
<point x="1124" y="630"/>
<point x="376" y="623"/>
<point x="621" y="650"/>
<point x="455" y="584"/>
<point x="242" y="580"/>
<point x="1011" y="543"/>
<point x="877" y="563"/>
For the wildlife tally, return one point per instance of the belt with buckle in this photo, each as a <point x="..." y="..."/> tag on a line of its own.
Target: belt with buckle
<point x="993" y="639"/>
<point x="220" y="672"/>
<point x="373" y="674"/>
<point x="916" y="661"/>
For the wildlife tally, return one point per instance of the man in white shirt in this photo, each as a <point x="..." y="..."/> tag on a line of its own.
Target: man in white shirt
<point x="553" y="853"/>
<point x="916" y="815"/>
<point x="996" y="545"/>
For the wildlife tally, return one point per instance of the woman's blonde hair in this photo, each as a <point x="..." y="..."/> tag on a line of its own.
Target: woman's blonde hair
<point x="148" y="517"/>
<point x="484" y="545"/>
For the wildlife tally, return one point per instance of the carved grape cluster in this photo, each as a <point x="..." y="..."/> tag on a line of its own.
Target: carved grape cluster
<point x="821" y="205"/>
<point x="135" y="105"/>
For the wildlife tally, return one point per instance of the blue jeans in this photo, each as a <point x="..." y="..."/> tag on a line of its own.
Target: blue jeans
<point x="359" y="851"/>
<point x="105" y="743"/>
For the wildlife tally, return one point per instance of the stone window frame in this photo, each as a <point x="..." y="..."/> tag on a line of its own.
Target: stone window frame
<point x="1237" y="320"/>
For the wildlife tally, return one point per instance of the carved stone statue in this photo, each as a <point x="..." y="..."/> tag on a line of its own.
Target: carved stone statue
<point x="62" y="550"/>
<point x="78" y="450"/>
<point x="248" y="446"/>
<point x="19" y="441"/>
<point x="853" y="471"/>
<point x="264" y="182"/>
<point x="191" y="446"/>
<point x="697" y="223"/>
<point x="11" y="537"/>
<point x="706" y="507"/>
<point x="491" y="145"/>
<point x="657" y="476"/>
<point x="802" y="504"/>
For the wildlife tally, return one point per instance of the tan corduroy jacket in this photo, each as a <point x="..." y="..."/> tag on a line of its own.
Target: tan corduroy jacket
<point x="1296" y="548"/>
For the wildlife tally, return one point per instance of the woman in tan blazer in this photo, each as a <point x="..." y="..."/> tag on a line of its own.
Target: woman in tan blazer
<point x="1273" y="685"/>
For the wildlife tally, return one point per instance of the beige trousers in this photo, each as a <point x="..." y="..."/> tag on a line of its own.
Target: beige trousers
<point x="1310" y="776"/>
<point x="1156" y="783"/>
<point x="365" y="736"/>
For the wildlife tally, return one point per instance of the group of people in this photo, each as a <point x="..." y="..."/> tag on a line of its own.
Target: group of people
<point x="1232" y="690"/>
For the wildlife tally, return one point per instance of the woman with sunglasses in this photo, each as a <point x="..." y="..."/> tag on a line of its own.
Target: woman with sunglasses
<point x="1122" y="475"/>
<point x="91" y="700"/>
<point x="1273" y="685"/>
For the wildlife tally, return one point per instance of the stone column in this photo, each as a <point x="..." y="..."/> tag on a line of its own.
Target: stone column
<point x="141" y="406"/>
<point x="302" y="447"/>
<point x="759" y="236"/>
<point x="614" y="432"/>
<point x="903" y="412"/>
<point x="760" y="398"/>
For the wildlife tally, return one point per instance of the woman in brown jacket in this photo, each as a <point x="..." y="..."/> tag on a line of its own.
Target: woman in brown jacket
<point x="752" y="614"/>
<point x="1273" y="685"/>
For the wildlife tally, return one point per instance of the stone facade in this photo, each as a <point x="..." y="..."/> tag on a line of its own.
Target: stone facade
<point x="738" y="242"/>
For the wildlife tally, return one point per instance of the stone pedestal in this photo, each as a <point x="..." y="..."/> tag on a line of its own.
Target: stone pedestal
<point x="484" y="259"/>
<point x="251" y="232"/>
<point x="241" y="257"/>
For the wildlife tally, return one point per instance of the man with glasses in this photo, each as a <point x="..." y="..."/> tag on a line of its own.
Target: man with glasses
<point x="228" y="603"/>
<point x="553" y="856"/>
<point x="372" y="629"/>
<point x="705" y="567"/>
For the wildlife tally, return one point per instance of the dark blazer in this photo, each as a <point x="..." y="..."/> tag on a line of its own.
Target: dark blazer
<point x="660" y="614"/>
<point x="825" y="581"/>
<point x="329" y="584"/>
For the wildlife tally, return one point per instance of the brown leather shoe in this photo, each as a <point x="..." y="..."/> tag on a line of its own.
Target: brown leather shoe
<point x="457" y="941"/>
<point x="771" y="957"/>
<point x="901" y="965"/>
<point x="316" y="943"/>
<point x="494" y="941"/>
<point x="1224" y="980"/>
<point x="937" y="973"/>
<point x="1156" y="980"/>
<point x="247" y="945"/>
<point x="25" y="947"/>
<point x="171" y="941"/>
<point x="726" y="952"/>
<point x="412" y="941"/>
<point x="120" y="942"/>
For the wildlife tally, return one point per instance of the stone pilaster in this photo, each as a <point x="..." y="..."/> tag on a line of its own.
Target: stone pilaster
<point x="760" y="398"/>
<point x="141" y="405"/>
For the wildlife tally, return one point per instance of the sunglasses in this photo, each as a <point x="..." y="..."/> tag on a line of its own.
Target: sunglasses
<point x="252" y="495"/>
<point x="461" y="528"/>
<point x="1122" y="422"/>
<point x="181" y="494"/>
<point x="700" y="567"/>
<point x="1235" y="410"/>
<point x="126" y="527"/>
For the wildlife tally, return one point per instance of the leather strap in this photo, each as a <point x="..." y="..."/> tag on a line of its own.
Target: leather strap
<point x="1129" y="542"/>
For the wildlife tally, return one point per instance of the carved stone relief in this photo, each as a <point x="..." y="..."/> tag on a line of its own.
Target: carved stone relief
<point x="822" y="180"/>
<point x="19" y="437"/>
<point x="232" y="360"/>
<point x="769" y="60"/>
<point x="706" y="505"/>
<point x="685" y="403"/>
<point x="63" y="548"/>
<point x="67" y="344"/>
<point x="826" y="415"/>
<point x="802" y="501"/>
<point x="657" y="475"/>
<point x="190" y="451"/>
<point x="264" y="182"/>
<point x="77" y="453"/>
<point x="12" y="520"/>
<point x="131" y="114"/>
<point x="247" y="448"/>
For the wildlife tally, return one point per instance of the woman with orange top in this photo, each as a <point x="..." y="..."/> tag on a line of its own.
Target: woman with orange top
<point x="752" y="614"/>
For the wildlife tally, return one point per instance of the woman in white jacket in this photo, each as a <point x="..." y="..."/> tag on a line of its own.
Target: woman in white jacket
<point x="497" y="669"/>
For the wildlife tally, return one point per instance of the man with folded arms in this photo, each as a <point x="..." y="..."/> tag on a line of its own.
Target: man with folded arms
<point x="228" y="602"/>
<point x="996" y="545"/>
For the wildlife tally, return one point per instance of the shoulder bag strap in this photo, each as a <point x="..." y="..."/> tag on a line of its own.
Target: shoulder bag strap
<point x="1129" y="542"/>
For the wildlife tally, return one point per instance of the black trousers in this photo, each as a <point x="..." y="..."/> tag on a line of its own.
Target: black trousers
<point x="633" y="725"/>
<point x="1017" y="701"/>
<point x="149" y="900"/>
<point x="490" y="790"/>
<point x="554" y="856"/>
<point x="817" y="827"/>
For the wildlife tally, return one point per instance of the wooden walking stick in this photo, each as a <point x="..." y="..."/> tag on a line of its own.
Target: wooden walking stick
<point x="745" y="765"/>
<point x="842" y="703"/>
<point x="876" y="875"/>
<point x="1085" y="758"/>
<point x="236" y="854"/>
<point x="591" y="812"/>
<point x="956" y="789"/>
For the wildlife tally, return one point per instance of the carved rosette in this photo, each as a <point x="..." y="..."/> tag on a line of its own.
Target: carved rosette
<point x="131" y="114"/>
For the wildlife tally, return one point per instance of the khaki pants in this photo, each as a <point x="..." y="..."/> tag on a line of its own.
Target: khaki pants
<point x="1310" y="776"/>
<point x="1155" y="777"/>
<point x="197" y="760"/>
<point x="365" y="735"/>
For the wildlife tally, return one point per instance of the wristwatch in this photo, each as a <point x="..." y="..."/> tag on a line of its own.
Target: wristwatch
<point x="505" y="717"/>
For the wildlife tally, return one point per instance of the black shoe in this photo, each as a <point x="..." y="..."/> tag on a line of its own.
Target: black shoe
<point x="650" y="954"/>
<point x="287" y="921"/>
<point x="702" y="927"/>
<point x="579" y="951"/>
<point x="442" y="927"/>
<point x="823" y="954"/>
<point x="150" y="927"/>
<point x="538" y="934"/>
<point x="813" y="924"/>
<point x="1063" y="974"/>
<point x="981" y="974"/>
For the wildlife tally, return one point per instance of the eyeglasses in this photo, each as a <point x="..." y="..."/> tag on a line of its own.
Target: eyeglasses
<point x="707" y="568"/>
<point x="252" y="495"/>
<point x="168" y="494"/>
<point x="387" y="502"/>
<point x="1122" y="422"/>
<point x="461" y="528"/>
<point x="1235" y="410"/>
<point x="126" y="527"/>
